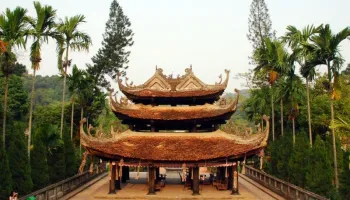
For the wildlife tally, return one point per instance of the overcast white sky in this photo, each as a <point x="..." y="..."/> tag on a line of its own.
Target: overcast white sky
<point x="210" y="35"/>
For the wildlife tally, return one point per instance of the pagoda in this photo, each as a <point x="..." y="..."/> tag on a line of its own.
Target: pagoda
<point x="175" y="122"/>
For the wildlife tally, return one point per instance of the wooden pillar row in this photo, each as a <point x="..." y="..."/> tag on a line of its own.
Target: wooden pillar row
<point x="195" y="180"/>
<point x="112" y="178"/>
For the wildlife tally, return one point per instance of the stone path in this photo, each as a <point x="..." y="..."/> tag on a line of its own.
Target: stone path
<point x="137" y="189"/>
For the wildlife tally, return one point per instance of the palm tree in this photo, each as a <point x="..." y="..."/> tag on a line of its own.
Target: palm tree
<point x="13" y="28"/>
<point x="74" y="86"/>
<point x="73" y="40"/>
<point x="271" y="59"/>
<point x="41" y="29"/>
<point x="295" y="39"/>
<point x="325" y="50"/>
<point x="257" y="105"/>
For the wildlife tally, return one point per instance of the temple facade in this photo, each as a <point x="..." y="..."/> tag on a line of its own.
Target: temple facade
<point x="175" y="122"/>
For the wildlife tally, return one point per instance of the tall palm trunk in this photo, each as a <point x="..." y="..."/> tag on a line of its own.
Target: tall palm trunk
<point x="334" y="148"/>
<point x="308" y="109"/>
<point x="262" y="122"/>
<point x="31" y="113"/>
<point x="72" y="120"/>
<point x="293" y="121"/>
<point x="64" y="89"/>
<point x="5" y="110"/>
<point x="81" y="117"/>
<point x="272" y="118"/>
<point x="282" y="128"/>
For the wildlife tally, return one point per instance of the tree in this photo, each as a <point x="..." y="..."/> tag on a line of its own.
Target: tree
<point x="41" y="29"/>
<point x="259" y="24"/>
<point x="5" y="175"/>
<point x="69" y="156"/>
<point x="40" y="169"/>
<point x="112" y="58"/>
<point x="73" y="39"/>
<point x="272" y="59"/>
<point x="319" y="169"/>
<point x="13" y="28"/>
<point x="325" y="50"/>
<point x="295" y="39"/>
<point x="75" y="86"/>
<point x="55" y="151"/>
<point x="298" y="161"/>
<point x="18" y="160"/>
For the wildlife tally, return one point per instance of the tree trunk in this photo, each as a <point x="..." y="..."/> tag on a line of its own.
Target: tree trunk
<point x="282" y="129"/>
<point x="293" y="120"/>
<point x="64" y="89"/>
<point x="81" y="117"/>
<point x="262" y="122"/>
<point x="334" y="148"/>
<point x="272" y="118"/>
<point x="5" y="110"/>
<point x="72" y="120"/>
<point x="31" y="113"/>
<point x="308" y="110"/>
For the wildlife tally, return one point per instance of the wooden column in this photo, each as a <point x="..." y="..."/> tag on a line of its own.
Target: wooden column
<point x="131" y="127"/>
<point x="235" y="179"/>
<point x="157" y="173"/>
<point x="117" y="179"/>
<point x="125" y="174"/>
<point x="151" y="181"/>
<point x="112" y="169"/>
<point x="190" y="172"/>
<point x="195" y="180"/>
<point x="230" y="178"/>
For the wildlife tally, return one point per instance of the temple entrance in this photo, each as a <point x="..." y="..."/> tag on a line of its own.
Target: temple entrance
<point x="186" y="180"/>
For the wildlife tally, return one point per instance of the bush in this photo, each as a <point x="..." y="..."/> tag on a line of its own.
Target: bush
<point x="319" y="171"/>
<point x="18" y="160"/>
<point x="5" y="175"/>
<point x="38" y="161"/>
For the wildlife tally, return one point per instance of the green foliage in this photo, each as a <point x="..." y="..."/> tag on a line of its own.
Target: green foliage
<point x="5" y="175"/>
<point x="280" y="152"/>
<point x="69" y="153"/>
<point x="57" y="164"/>
<point x="38" y="162"/>
<point x="18" y="160"/>
<point x="298" y="160"/>
<point x="319" y="171"/>
<point x="344" y="177"/>
<point x="112" y="58"/>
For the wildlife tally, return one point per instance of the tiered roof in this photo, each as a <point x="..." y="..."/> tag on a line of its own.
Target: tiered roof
<point x="162" y="89"/>
<point x="124" y="109"/>
<point x="174" y="147"/>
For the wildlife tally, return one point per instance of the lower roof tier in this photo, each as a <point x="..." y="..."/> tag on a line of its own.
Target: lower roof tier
<point x="175" y="147"/>
<point x="222" y="109"/>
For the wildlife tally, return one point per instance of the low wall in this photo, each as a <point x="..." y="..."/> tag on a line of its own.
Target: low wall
<point x="57" y="190"/>
<point x="283" y="188"/>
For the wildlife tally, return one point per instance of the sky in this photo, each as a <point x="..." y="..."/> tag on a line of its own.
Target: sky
<point x="174" y="34"/>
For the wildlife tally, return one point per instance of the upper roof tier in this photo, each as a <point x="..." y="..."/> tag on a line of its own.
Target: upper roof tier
<point x="222" y="109"/>
<point x="186" y="89"/>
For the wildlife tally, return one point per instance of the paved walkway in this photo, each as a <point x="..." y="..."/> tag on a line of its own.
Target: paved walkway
<point x="137" y="189"/>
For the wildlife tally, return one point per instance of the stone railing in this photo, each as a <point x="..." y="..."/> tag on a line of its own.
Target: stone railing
<point x="283" y="188"/>
<point x="57" y="190"/>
